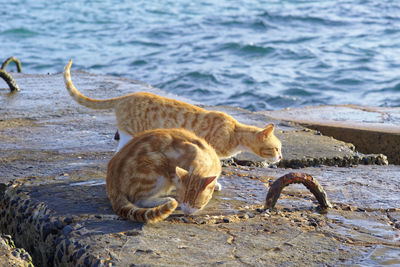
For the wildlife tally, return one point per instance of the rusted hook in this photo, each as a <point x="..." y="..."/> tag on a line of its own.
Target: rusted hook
<point x="9" y="60"/>
<point x="9" y="80"/>
<point x="296" y="178"/>
<point x="7" y="76"/>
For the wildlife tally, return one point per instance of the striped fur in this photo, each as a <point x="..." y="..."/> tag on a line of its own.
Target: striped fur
<point x="83" y="100"/>
<point x="144" y="171"/>
<point x="146" y="215"/>
<point x="142" y="111"/>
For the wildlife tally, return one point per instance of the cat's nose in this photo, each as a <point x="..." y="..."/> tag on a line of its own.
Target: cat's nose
<point x="187" y="209"/>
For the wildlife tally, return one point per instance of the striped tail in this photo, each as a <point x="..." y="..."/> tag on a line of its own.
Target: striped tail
<point x="147" y="215"/>
<point x="84" y="100"/>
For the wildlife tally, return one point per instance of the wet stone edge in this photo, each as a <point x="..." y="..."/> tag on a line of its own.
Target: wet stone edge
<point x="346" y="161"/>
<point x="18" y="255"/>
<point x="53" y="240"/>
<point x="46" y="237"/>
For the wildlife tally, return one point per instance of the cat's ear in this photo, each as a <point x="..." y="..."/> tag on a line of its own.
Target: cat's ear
<point x="208" y="180"/>
<point x="268" y="130"/>
<point x="181" y="173"/>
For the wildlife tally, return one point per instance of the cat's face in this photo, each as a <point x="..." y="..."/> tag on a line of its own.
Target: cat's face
<point x="194" y="192"/>
<point x="267" y="145"/>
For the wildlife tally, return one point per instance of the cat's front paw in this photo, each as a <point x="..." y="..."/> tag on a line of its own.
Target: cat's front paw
<point x="218" y="187"/>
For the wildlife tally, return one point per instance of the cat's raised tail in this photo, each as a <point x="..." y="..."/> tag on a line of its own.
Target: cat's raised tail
<point x="84" y="100"/>
<point x="127" y="210"/>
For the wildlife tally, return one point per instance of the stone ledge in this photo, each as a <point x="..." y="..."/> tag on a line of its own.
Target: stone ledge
<point x="70" y="222"/>
<point x="57" y="209"/>
<point x="373" y="130"/>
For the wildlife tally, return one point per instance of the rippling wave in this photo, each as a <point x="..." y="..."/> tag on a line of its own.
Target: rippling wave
<point x="18" y="32"/>
<point x="252" y="54"/>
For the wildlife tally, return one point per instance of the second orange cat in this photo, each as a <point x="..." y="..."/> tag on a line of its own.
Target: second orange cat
<point x="142" y="174"/>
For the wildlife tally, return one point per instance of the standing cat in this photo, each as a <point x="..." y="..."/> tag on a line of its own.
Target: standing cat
<point x="138" y="112"/>
<point x="155" y="162"/>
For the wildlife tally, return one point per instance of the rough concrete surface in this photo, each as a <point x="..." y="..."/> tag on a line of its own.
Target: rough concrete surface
<point x="53" y="202"/>
<point x="68" y="220"/>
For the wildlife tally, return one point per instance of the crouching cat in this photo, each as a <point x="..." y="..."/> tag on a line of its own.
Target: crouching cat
<point x="153" y="163"/>
<point x="142" y="111"/>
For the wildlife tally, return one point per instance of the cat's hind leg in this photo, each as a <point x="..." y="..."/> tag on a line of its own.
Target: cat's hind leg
<point x="123" y="139"/>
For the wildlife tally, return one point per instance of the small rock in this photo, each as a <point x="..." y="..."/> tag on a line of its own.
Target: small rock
<point x="145" y="251"/>
<point x="80" y="253"/>
<point x="87" y="261"/>
<point x="229" y="240"/>
<point x="244" y="216"/>
<point x="15" y="253"/>
<point x="57" y="241"/>
<point x="66" y="230"/>
<point x="251" y="215"/>
<point x="312" y="223"/>
<point x="60" y="255"/>
<point x="68" y="220"/>
<point x="266" y="215"/>
<point x="132" y="233"/>
<point x="349" y="208"/>
<point x="58" y="224"/>
<point x="97" y="263"/>
<point x="277" y="212"/>
<point x="47" y="229"/>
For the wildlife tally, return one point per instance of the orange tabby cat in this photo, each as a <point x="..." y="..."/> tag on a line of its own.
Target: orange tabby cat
<point x="138" y="112"/>
<point x="155" y="162"/>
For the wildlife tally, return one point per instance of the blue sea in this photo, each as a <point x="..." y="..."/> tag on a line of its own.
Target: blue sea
<point x="254" y="54"/>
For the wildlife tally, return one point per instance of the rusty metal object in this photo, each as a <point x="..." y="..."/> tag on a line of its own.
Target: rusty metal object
<point x="9" y="80"/>
<point x="296" y="178"/>
<point x="7" y="77"/>
<point x="116" y="136"/>
<point x="9" y="60"/>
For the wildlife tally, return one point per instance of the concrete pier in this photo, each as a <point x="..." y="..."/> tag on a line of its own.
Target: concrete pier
<point x="53" y="200"/>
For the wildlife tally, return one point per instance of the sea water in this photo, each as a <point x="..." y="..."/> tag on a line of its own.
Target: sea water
<point x="253" y="54"/>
